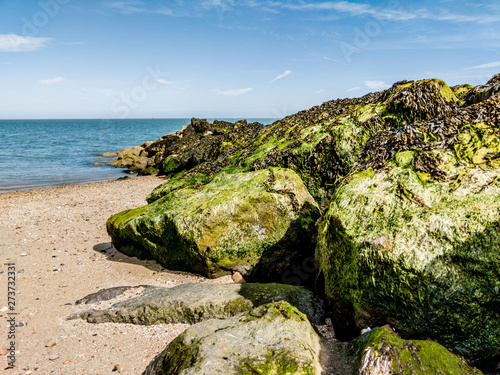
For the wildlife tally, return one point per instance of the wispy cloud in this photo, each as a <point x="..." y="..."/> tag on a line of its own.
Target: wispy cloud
<point x="52" y="81"/>
<point x="137" y="7"/>
<point x="485" y="66"/>
<point x="165" y="82"/>
<point x="18" y="43"/>
<point x="377" y="85"/>
<point x="382" y="13"/>
<point x="234" y="92"/>
<point x="287" y="72"/>
<point x="355" y="88"/>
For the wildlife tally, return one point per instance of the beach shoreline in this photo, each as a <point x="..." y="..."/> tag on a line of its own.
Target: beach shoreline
<point x="56" y="240"/>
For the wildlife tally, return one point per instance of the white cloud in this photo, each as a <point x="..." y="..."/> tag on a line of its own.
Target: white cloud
<point x="281" y="76"/>
<point x="353" y="89"/>
<point x="377" y="85"/>
<point x="164" y="81"/>
<point x="18" y="43"/>
<point x="52" y="81"/>
<point x="234" y="92"/>
<point x="485" y="66"/>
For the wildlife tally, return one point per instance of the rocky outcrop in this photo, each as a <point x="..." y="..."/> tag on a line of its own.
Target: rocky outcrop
<point x="382" y="352"/>
<point x="412" y="238"/>
<point x="134" y="158"/>
<point x="200" y="142"/>
<point x="259" y="223"/>
<point x="193" y="303"/>
<point x="271" y="339"/>
<point x="407" y="180"/>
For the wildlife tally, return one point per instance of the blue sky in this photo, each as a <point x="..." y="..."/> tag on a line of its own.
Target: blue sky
<point x="230" y="58"/>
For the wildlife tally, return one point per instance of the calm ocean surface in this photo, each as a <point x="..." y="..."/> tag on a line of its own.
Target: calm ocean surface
<point x="36" y="153"/>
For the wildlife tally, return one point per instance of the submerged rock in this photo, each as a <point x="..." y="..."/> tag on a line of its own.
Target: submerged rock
<point x="382" y="352"/>
<point x="193" y="303"/>
<point x="271" y="339"/>
<point x="259" y="224"/>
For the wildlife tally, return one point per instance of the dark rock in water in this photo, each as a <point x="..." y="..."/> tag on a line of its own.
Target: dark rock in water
<point x="381" y="352"/>
<point x="193" y="303"/>
<point x="260" y="224"/>
<point x="271" y="339"/>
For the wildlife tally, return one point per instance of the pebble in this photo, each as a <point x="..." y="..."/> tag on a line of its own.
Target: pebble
<point x="50" y="344"/>
<point x="238" y="278"/>
<point x="21" y="324"/>
<point x="23" y="254"/>
<point x="66" y="362"/>
<point x="4" y="352"/>
<point x="53" y="357"/>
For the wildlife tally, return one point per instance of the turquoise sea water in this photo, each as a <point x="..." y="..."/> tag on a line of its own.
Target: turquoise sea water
<point x="36" y="153"/>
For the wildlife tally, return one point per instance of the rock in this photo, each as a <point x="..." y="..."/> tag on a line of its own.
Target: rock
<point x="258" y="223"/>
<point x="132" y="157"/>
<point x="382" y="352"/>
<point x="4" y="352"/>
<point x="237" y="278"/>
<point x="271" y="339"/>
<point x="419" y="249"/>
<point x="53" y="357"/>
<point x="50" y="344"/>
<point x="193" y="303"/>
<point x="108" y="154"/>
<point x="96" y="164"/>
<point x="200" y="142"/>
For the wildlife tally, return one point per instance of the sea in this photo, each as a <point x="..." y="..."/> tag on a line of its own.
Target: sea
<point x="44" y="153"/>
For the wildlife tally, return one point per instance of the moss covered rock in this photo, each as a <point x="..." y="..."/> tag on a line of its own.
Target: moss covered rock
<point x="272" y="339"/>
<point x="382" y="352"/>
<point x="258" y="223"/>
<point x="193" y="303"/>
<point x="399" y="246"/>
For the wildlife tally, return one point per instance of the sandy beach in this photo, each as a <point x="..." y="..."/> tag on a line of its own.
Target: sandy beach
<point x="57" y="240"/>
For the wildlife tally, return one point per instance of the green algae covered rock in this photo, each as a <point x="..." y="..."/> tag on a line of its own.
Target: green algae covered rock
<point x="398" y="246"/>
<point x="272" y="339"/>
<point x="258" y="223"/>
<point x="193" y="303"/>
<point x="381" y="352"/>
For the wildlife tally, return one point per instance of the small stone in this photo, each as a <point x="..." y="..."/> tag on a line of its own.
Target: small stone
<point x="66" y="362"/>
<point x="238" y="278"/>
<point x="53" y="357"/>
<point x="4" y="309"/>
<point x="116" y="368"/>
<point x="4" y="352"/>
<point x="28" y="373"/>
<point x="365" y="330"/>
<point x="21" y="324"/>
<point x="23" y="254"/>
<point x="50" y="344"/>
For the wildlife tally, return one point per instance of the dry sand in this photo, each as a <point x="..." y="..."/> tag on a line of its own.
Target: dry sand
<point x="57" y="239"/>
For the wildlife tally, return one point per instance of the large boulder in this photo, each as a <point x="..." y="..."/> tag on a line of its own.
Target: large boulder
<point x="193" y="303"/>
<point x="261" y="224"/>
<point x="272" y="339"/>
<point x="382" y="352"/>
<point x="419" y="249"/>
